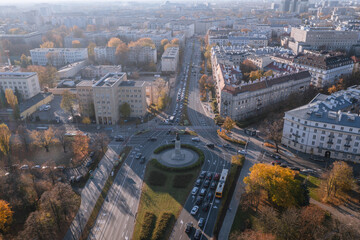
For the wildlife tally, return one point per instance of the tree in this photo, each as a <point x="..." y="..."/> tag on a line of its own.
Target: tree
<point x="5" y="215"/>
<point x="16" y="112"/>
<point x="170" y="45"/>
<point x="339" y="179"/>
<point x="90" y="28"/>
<point x="101" y="140"/>
<point x="44" y="138"/>
<point x="175" y="41"/>
<point x="273" y="131"/>
<point x="164" y="42"/>
<point x="5" y="136"/>
<point x="24" y="61"/>
<point x="77" y="32"/>
<point x="282" y="189"/>
<point x="228" y="124"/>
<point x="332" y="89"/>
<point x="114" y="42"/>
<point x="162" y="100"/>
<point x="11" y="98"/>
<point x="80" y="146"/>
<point x="18" y="95"/>
<point x="91" y="52"/>
<point x="68" y="102"/>
<point x="121" y="53"/>
<point x="86" y="120"/>
<point x="47" y="75"/>
<point x="47" y="44"/>
<point x="61" y="137"/>
<point x="125" y="110"/>
<point x="23" y="134"/>
<point x="76" y="44"/>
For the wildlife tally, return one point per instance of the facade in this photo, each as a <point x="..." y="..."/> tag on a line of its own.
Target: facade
<point x="325" y="67"/>
<point x="247" y="100"/>
<point x="96" y="72"/>
<point x="256" y="41"/>
<point x="328" y="126"/>
<point x="170" y="59"/>
<point x="57" y="57"/>
<point x="260" y="61"/>
<point x="306" y="37"/>
<point x="105" y="55"/>
<point x="27" y="83"/>
<point x="70" y="70"/>
<point x="84" y="94"/>
<point x="145" y="54"/>
<point x="113" y="90"/>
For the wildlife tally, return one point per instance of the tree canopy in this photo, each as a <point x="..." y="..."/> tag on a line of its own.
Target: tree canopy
<point x="11" y="98"/>
<point x="5" y="215"/>
<point x="125" y="110"/>
<point x="229" y="124"/>
<point x="5" y="135"/>
<point x="68" y="102"/>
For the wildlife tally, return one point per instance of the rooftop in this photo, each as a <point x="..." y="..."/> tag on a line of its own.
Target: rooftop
<point x="32" y="101"/>
<point x="109" y="79"/>
<point x="17" y="75"/>
<point x="85" y="83"/>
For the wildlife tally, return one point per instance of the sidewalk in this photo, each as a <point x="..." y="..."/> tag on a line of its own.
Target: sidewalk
<point x="90" y="194"/>
<point x="230" y="215"/>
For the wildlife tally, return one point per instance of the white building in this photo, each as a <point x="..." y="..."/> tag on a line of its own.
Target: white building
<point x="70" y="70"/>
<point x="113" y="90"/>
<point x="27" y="83"/>
<point x="328" y="126"/>
<point x="170" y="59"/>
<point x="99" y="71"/>
<point x="57" y="57"/>
<point x="105" y="55"/>
<point x="143" y="54"/>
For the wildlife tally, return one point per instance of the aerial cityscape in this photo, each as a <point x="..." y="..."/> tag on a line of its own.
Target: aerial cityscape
<point x="195" y="119"/>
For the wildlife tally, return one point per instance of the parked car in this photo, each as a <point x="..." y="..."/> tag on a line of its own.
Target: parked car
<point x="138" y="156"/>
<point x="88" y="164"/>
<point x="119" y="138"/>
<point x="226" y="145"/>
<point x="197" y="234"/>
<point x="189" y="227"/>
<point x="242" y="152"/>
<point x="276" y="156"/>
<point x="78" y="178"/>
<point x="194" y="190"/>
<point x="142" y="160"/>
<point x="92" y="154"/>
<point x="24" y="167"/>
<point x="194" y="210"/>
<point x="201" y="222"/>
<point x="36" y="167"/>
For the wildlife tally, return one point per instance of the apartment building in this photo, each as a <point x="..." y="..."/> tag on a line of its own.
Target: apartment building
<point x="170" y="59"/>
<point x="84" y="93"/>
<point x="143" y="54"/>
<point x="57" y="57"/>
<point x="71" y="70"/>
<point x="260" y="60"/>
<point x="105" y="55"/>
<point x="256" y="40"/>
<point x="99" y="71"/>
<point x="328" y="126"/>
<point x="27" y="83"/>
<point x="325" y="67"/>
<point x="114" y="89"/>
<point x="306" y="37"/>
<point x="250" y="99"/>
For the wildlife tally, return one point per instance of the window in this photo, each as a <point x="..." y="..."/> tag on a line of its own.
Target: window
<point x="322" y="138"/>
<point x="325" y="125"/>
<point x="339" y="141"/>
<point x="323" y="132"/>
<point x="314" y="136"/>
<point x="304" y="128"/>
<point x="315" y="130"/>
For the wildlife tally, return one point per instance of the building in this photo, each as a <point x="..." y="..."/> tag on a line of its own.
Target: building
<point x="325" y="67"/>
<point x="27" y="83"/>
<point x="328" y="126"/>
<point x="170" y="59"/>
<point x="255" y="40"/>
<point x="246" y="100"/>
<point x="84" y="94"/>
<point x="71" y="70"/>
<point x="260" y="61"/>
<point x="97" y="72"/>
<point x="33" y="38"/>
<point x="104" y="55"/>
<point x="113" y="90"/>
<point x="315" y="38"/>
<point x="57" y="57"/>
<point x="143" y="54"/>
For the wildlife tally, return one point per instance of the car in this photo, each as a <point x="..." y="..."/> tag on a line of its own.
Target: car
<point x="202" y="174"/>
<point x="45" y="167"/>
<point x="276" y="162"/>
<point x="226" y="145"/>
<point x="284" y="165"/>
<point x="213" y="185"/>
<point x="276" y="156"/>
<point x="24" y="167"/>
<point x="88" y="164"/>
<point x="217" y="176"/>
<point x="209" y="176"/>
<point x="242" y="152"/>
<point x="206" y="184"/>
<point x="119" y="138"/>
<point x="138" y="156"/>
<point x="197" y="234"/>
<point x="153" y="139"/>
<point x="78" y="178"/>
<point x="206" y="207"/>
<point x="201" y="222"/>
<point x="142" y="160"/>
<point x="194" y="210"/>
<point x="202" y="192"/>
<point x="72" y="179"/>
<point x="210" y="145"/>
<point x="194" y="190"/>
<point x="189" y="227"/>
<point x="198" y="182"/>
<point x="295" y="168"/>
<point x="199" y="200"/>
<point x="209" y="196"/>
<point x="195" y="139"/>
<point x="92" y="154"/>
<point x="36" y="167"/>
<point x="174" y="140"/>
<point x="59" y="167"/>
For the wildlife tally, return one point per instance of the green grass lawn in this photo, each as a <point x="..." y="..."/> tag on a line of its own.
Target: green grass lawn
<point x="313" y="184"/>
<point x="159" y="199"/>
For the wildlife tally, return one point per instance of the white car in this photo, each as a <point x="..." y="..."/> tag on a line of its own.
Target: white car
<point x="23" y="167"/>
<point x="194" y="190"/>
<point x="243" y="152"/>
<point x="195" y="139"/>
<point x="194" y="210"/>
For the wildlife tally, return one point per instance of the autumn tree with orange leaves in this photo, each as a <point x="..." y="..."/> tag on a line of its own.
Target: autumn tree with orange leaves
<point x="5" y="215"/>
<point x="80" y="147"/>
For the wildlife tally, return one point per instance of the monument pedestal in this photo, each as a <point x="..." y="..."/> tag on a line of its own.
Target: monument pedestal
<point x="177" y="155"/>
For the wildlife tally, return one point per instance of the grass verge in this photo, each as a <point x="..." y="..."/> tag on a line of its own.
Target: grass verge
<point x="224" y="136"/>
<point x="313" y="184"/>
<point x="237" y="162"/>
<point x="162" y="199"/>
<point x="92" y="219"/>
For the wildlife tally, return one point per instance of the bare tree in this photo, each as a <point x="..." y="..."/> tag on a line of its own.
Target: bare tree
<point x="273" y="131"/>
<point x="44" y="138"/>
<point x="101" y="140"/>
<point x="23" y="134"/>
<point x="60" y="135"/>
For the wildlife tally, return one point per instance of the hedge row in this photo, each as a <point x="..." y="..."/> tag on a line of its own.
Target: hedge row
<point x="157" y="178"/>
<point x="162" y="226"/>
<point x="148" y="226"/>
<point x="223" y="135"/>
<point x="237" y="163"/>
<point x="182" y="181"/>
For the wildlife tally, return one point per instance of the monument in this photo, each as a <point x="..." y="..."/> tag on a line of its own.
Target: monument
<point x="178" y="155"/>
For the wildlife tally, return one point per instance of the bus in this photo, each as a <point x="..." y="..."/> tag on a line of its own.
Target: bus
<point x="71" y="134"/>
<point x="221" y="184"/>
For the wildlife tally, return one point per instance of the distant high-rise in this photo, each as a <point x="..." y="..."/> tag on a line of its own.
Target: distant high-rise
<point x="285" y="5"/>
